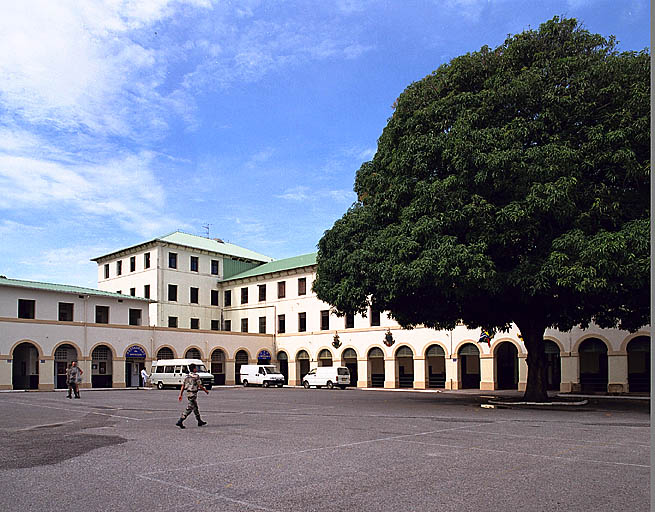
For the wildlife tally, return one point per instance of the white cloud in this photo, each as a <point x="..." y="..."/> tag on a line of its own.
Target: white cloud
<point x="302" y="193"/>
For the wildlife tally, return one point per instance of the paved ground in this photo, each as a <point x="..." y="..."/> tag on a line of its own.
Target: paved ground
<point x="318" y="450"/>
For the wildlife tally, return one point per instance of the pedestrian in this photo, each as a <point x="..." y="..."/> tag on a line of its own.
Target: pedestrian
<point x="192" y="384"/>
<point x="73" y="379"/>
<point x="144" y="377"/>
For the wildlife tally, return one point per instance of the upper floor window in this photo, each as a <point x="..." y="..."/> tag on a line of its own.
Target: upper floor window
<point x="193" y="295"/>
<point x="106" y="270"/>
<point x="228" y="297"/>
<point x="262" y="292"/>
<point x="375" y="317"/>
<point x="302" y="322"/>
<point x="195" y="323"/>
<point x="244" y="295"/>
<point x="325" y="320"/>
<point x="350" y="320"/>
<point x="135" y="317"/>
<point x="262" y="325"/>
<point x="172" y="321"/>
<point x="26" y="308"/>
<point x="146" y="260"/>
<point x="172" y="260"/>
<point x="214" y="325"/>
<point x="227" y="325"/>
<point x="194" y="264"/>
<point x="119" y="268"/>
<point x="281" y="289"/>
<point x="102" y="314"/>
<point x="214" y="267"/>
<point x="146" y="291"/>
<point x="244" y="325"/>
<point x="302" y="286"/>
<point x="132" y="263"/>
<point x="214" y="297"/>
<point x="172" y="292"/>
<point x="133" y="292"/>
<point x="65" y="311"/>
<point x="281" y="324"/>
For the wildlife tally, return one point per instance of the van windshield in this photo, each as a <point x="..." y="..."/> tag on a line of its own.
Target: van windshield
<point x="343" y="371"/>
<point x="271" y="371"/>
<point x="201" y="368"/>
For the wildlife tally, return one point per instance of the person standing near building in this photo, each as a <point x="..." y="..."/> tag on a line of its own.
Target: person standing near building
<point x="192" y="384"/>
<point x="73" y="379"/>
<point x="144" y="377"/>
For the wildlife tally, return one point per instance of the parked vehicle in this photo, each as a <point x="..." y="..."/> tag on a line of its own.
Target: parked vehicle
<point x="328" y="376"/>
<point x="261" y="375"/>
<point x="172" y="372"/>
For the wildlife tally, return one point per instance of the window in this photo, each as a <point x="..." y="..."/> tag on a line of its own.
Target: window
<point x="132" y="263"/>
<point x="281" y="327"/>
<point x="281" y="289"/>
<point x="302" y="322"/>
<point x="119" y="291"/>
<point x="172" y="260"/>
<point x="26" y="308"/>
<point x="244" y="325"/>
<point x="302" y="286"/>
<point x="146" y="291"/>
<point x="135" y="317"/>
<point x="350" y="320"/>
<point x="214" y="325"/>
<point x="172" y="321"/>
<point x="106" y="270"/>
<point x="228" y="298"/>
<point x="172" y="292"/>
<point x="214" y="298"/>
<point x="325" y="320"/>
<point x="119" y="268"/>
<point x="262" y="292"/>
<point x="102" y="314"/>
<point x="262" y="325"/>
<point x="214" y="267"/>
<point x="193" y="295"/>
<point x="194" y="264"/>
<point x="133" y="292"/>
<point x="195" y="323"/>
<point x="65" y="311"/>
<point x="227" y="325"/>
<point x="375" y="317"/>
<point x="244" y="295"/>
<point x="146" y="260"/>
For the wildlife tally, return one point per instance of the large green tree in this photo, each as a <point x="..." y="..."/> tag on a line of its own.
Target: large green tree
<point x="509" y="186"/>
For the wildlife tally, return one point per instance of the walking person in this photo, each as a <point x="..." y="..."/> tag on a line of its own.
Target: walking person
<point x="144" y="377"/>
<point x="192" y="384"/>
<point x="73" y="379"/>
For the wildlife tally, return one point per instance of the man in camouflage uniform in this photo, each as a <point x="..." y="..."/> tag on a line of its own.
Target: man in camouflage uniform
<point x="73" y="379"/>
<point x="192" y="384"/>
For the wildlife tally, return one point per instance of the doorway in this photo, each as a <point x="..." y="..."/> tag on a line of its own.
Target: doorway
<point x="25" y="367"/>
<point x="507" y="366"/>
<point x="64" y="356"/>
<point x="469" y="366"/>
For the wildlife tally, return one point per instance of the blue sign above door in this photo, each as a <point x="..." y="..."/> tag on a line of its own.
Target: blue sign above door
<point x="135" y="351"/>
<point x="264" y="354"/>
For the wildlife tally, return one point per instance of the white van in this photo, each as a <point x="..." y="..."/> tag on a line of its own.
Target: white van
<point x="172" y="372"/>
<point x="261" y="374"/>
<point x="328" y="376"/>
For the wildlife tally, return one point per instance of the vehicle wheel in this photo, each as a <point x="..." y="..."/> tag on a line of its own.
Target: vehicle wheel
<point x="160" y="385"/>
<point x="245" y="383"/>
<point x="342" y="387"/>
<point x="306" y="384"/>
<point x="265" y="384"/>
<point x="280" y="385"/>
<point x="329" y="384"/>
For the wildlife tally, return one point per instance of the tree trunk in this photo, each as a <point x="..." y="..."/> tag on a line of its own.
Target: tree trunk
<point x="533" y="339"/>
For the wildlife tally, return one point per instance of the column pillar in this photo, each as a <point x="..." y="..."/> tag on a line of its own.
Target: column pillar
<point x="617" y="373"/>
<point x="85" y="365"/>
<point x="487" y="381"/>
<point x="6" y="372"/>
<point x="419" y="372"/>
<point x="523" y="372"/>
<point x="294" y="379"/>
<point x="363" y="373"/>
<point x="570" y="378"/>
<point x="451" y="373"/>
<point x="230" y="372"/>
<point x="390" y="378"/>
<point x="118" y="373"/>
<point x="47" y="374"/>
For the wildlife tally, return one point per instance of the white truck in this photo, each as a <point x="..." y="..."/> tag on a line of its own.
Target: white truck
<point x="328" y="376"/>
<point x="261" y="375"/>
<point x="172" y="372"/>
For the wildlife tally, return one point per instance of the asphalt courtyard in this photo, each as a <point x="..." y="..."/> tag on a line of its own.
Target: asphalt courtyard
<point x="319" y="450"/>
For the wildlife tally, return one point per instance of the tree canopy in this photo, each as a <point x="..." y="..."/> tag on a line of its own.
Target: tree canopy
<point x="511" y="185"/>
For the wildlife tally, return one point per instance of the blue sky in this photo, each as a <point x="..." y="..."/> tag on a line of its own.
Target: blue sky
<point x="123" y="120"/>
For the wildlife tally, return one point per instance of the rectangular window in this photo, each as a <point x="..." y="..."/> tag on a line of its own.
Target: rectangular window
<point x="214" y="267"/>
<point x="146" y="291"/>
<point x="172" y="292"/>
<point x="227" y="325"/>
<point x="262" y="292"/>
<point x="375" y="318"/>
<point x="195" y="323"/>
<point x="325" y="320"/>
<point x="106" y="270"/>
<point x="119" y="268"/>
<point x="281" y="289"/>
<point x="244" y="295"/>
<point x="214" y="297"/>
<point x="102" y="314"/>
<point x="132" y="263"/>
<point x="244" y="325"/>
<point x="302" y="286"/>
<point x="215" y="325"/>
<point x="281" y="327"/>
<point x="133" y="292"/>
<point x="65" y="311"/>
<point x="26" y="308"/>
<point x="172" y="260"/>
<point x="193" y="295"/>
<point x="302" y="322"/>
<point x="119" y="292"/>
<point x="172" y="321"/>
<point x="135" y="317"/>
<point x="194" y="264"/>
<point x="228" y="298"/>
<point x="262" y="325"/>
<point x="146" y="260"/>
<point x="350" y="320"/>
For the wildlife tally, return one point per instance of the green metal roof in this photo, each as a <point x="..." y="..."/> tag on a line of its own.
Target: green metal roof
<point x="64" y="288"/>
<point x="202" y="243"/>
<point x="306" y="260"/>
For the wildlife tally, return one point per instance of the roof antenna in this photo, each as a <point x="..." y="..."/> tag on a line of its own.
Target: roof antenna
<point x="206" y="228"/>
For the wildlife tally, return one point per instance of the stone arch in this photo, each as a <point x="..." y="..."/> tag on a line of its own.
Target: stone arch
<point x="624" y="344"/>
<point x="194" y="347"/>
<point x="242" y="349"/>
<point x="376" y="372"/>
<point x="427" y="346"/>
<point x="302" y="360"/>
<point x="25" y="365"/>
<point x="638" y="352"/>
<point x="218" y="357"/>
<point x="553" y="349"/>
<point x="282" y="357"/>
<point x="576" y="346"/>
<point x="241" y="356"/>
<point x="462" y="343"/>
<point x="404" y="361"/>
<point x="323" y="356"/>
<point x="71" y="343"/>
<point x="593" y="364"/>
<point x="102" y="367"/>
<point x="163" y="347"/>
<point x="111" y="348"/>
<point x="556" y="342"/>
<point x="261" y="351"/>
<point x="63" y="360"/>
<point x="506" y="364"/>
<point x="435" y="365"/>
<point x="349" y="357"/>
<point x="38" y="347"/>
<point x="517" y="345"/>
<point x="468" y="365"/>
<point x="142" y="347"/>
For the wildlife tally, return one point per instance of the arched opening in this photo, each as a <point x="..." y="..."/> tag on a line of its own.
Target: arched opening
<point x="639" y="365"/>
<point x="218" y="367"/>
<point x="264" y="357"/>
<point x="135" y="361"/>
<point x="349" y="360"/>
<point x="25" y="367"/>
<point x="64" y="356"/>
<point x="553" y="365"/>
<point x="376" y="367"/>
<point x="240" y="359"/>
<point x="325" y="358"/>
<point x="469" y="366"/>
<point x="283" y="361"/>
<point x="102" y="367"/>
<point x="405" y="367"/>
<point x="435" y="361"/>
<point x="507" y="366"/>
<point x="302" y="364"/>
<point x="192" y="353"/>
<point x="593" y="366"/>
<point x="165" y="353"/>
